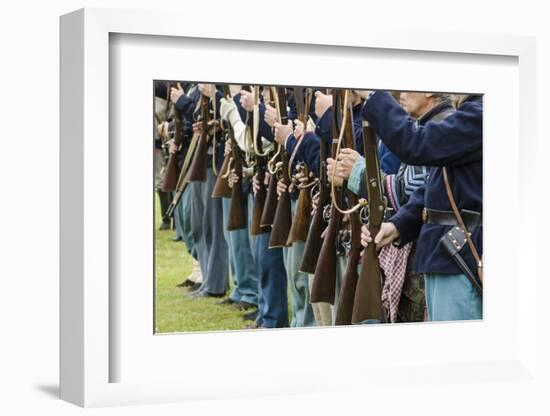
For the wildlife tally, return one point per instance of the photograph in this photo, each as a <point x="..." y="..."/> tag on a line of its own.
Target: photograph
<point x="283" y="206"/>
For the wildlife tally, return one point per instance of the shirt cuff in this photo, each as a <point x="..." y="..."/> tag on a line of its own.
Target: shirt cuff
<point x="354" y="180"/>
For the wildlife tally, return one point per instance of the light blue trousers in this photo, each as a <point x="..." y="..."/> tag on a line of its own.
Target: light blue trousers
<point x="298" y="283"/>
<point x="272" y="284"/>
<point x="182" y="218"/>
<point x="341" y="262"/>
<point x="243" y="269"/>
<point x="451" y="297"/>
<point x="210" y="243"/>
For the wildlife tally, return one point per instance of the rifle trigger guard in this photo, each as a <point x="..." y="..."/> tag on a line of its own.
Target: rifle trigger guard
<point x="326" y="212"/>
<point x="314" y="191"/>
<point x="226" y="174"/>
<point x="364" y="214"/>
<point x="345" y="240"/>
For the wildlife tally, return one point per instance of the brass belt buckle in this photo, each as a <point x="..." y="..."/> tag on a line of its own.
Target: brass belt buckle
<point x="424" y="215"/>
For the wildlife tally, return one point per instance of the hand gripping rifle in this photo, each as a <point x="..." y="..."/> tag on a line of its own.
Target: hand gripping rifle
<point x="300" y="224"/>
<point x="238" y="209"/>
<point x="324" y="281"/>
<point x="261" y="165"/>
<point x="273" y="165"/>
<point x="312" y="247"/>
<point x="171" y="168"/>
<point x="283" y="212"/>
<point x="349" y="281"/>
<point x="198" y="169"/>
<point x="367" y="307"/>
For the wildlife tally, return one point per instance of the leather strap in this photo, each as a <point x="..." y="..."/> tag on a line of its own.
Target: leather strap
<point x="435" y="216"/>
<point x="461" y="224"/>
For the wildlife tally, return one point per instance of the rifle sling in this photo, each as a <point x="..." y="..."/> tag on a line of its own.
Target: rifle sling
<point x="461" y="224"/>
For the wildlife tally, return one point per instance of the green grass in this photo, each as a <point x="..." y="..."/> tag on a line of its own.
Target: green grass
<point x="174" y="310"/>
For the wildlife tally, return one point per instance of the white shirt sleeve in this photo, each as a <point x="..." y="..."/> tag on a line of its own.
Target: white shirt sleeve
<point x="230" y="113"/>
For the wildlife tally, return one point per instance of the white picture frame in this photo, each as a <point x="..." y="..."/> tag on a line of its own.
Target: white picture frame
<point x="87" y="356"/>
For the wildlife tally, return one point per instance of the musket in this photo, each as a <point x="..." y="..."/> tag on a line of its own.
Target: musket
<point x="261" y="166"/>
<point x="312" y="247"/>
<point x="198" y="170"/>
<point x="367" y="307"/>
<point x="171" y="168"/>
<point x="324" y="281"/>
<point x="346" y="298"/>
<point x="222" y="188"/>
<point x="182" y="182"/>
<point x="238" y="217"/>
<point x="283" y="213"/>
<point x="300" y="223"/>
<point x="270" y="205"/>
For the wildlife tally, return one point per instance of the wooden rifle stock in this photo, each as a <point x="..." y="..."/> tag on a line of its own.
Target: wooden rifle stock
<point x="238" y="217"/>
<point x="222" y="188"/>
<point x="346" y="298"/>
<point x="312" y="247"/>
<point x="368" y="294"/>
<point x="259" y="199"/>
<point x="324" y="281"/>
<point x="256" y="227"/>
<point x="283" y="213"/>
<point x="282" y="219"/>
<point x="270" y="205"/>
<point x="198" y="169"/>
<point x="300" y="223"/>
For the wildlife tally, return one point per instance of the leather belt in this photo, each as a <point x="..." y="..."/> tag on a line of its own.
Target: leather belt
<point x="434" y="216"/>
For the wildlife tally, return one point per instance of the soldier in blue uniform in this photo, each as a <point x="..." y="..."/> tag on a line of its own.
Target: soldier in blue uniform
<point x="302" y="312"/>
<point x="309" y="149"/>
<point x="245" y="292"/>
<point x="206" y="212"/>
<point x="272" y="282"/>
<point x="453" y="144"/>
<point x="183" y="105"/>
<point x="397" y="188"/>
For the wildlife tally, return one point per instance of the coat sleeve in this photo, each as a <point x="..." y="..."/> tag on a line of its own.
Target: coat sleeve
<point x="455" y="140"/>
<point x="185" y="106"/>
<point x="323" y="129"/>
<point x="229" y="112"/>
<point x="307" y="152"/>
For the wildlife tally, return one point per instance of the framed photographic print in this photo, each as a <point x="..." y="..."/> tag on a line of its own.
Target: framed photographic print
<point x="169" y="134"/>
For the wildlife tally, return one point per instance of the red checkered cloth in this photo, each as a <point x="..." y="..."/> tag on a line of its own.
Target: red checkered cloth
<point x="393" y="261"/>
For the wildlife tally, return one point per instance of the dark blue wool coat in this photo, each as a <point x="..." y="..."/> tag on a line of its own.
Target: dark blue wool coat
<point x="455" y="142"/>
